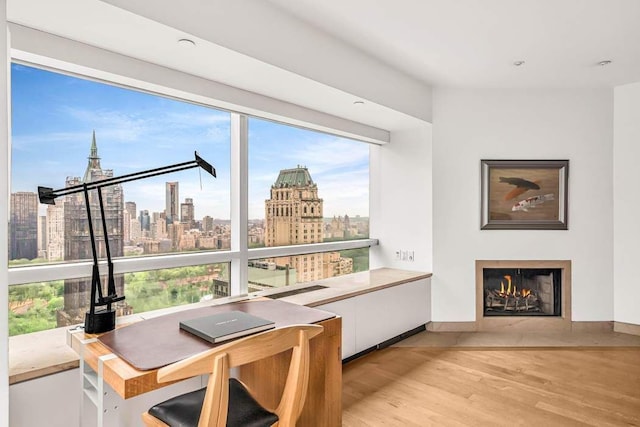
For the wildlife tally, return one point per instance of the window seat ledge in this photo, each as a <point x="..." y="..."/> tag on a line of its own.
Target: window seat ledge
<point x="39" y="354"/>
<point x="44" y="353"/>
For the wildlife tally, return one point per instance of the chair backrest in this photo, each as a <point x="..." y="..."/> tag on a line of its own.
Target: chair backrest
<point x="219" y="360"/>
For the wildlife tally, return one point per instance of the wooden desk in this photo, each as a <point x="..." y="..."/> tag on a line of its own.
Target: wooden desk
<point x="101" y="368"/>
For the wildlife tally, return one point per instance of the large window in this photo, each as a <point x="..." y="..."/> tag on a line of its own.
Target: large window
<point x="72" y="131"/>
<point x="175" y="238"/>
<point x="305" y="187"/>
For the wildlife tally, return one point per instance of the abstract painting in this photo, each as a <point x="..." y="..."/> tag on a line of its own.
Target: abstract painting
<point x="524" y="194"/>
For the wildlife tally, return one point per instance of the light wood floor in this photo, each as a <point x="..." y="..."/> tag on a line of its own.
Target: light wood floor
<point x="419" y="386"/>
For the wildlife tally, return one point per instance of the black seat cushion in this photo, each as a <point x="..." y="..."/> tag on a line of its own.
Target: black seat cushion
<point x="244" y="411"/>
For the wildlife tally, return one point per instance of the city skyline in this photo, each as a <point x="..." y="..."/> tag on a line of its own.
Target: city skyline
<point x="54" y="116"/>
<point x="158" y="232"/>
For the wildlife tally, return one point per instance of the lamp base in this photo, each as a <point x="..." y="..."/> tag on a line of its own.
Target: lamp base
<point x="100" y="321"/>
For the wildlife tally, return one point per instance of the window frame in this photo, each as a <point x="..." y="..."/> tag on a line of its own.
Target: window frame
<point x="240" y="253"/>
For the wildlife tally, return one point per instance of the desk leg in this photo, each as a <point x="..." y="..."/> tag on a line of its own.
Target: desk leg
<point x="88" y="381"/>
<point x="107" y="403"/>
<point x="323" y="405"/>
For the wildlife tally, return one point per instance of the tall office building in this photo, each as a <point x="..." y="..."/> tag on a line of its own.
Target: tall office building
<point x="135" y="231"/>
<point x="207" y="223"/>
<point x="172" y="203"/>
<point x="187" y="212"/>
<point x="159" y="229"/>
<point x="174" y="234"/>
<point x="131" y="208"/>
<point x="77" y="241"/>
<point x="155" y="216"/>
<point x="145" y="221"/>
<point x="126" y="227"/>
<point x="294" y="211"/>
<point x="294" y="216"/>
<point x="55" y="231"/>
<point x="42" y="236"/>
<point x="23" y="226"/>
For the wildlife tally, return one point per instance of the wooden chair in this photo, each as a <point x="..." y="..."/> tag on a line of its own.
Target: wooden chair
<point x="225" y="400"/>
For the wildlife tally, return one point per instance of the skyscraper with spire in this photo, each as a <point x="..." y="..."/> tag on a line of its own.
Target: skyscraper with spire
<point x="77" y="241"/>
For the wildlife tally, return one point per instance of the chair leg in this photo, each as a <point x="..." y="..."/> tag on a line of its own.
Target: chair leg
<point x="151" y="421"/>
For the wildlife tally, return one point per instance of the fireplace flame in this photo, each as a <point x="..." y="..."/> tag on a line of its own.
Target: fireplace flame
<point x="512" y="292"/>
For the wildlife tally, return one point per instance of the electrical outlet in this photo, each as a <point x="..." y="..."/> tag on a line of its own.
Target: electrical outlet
<point x="410" y="257"/>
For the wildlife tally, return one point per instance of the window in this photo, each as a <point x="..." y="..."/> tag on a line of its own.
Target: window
<point x="74" y="130"/>
<point x="327" y="176"/>
<point x="170" y="236"/>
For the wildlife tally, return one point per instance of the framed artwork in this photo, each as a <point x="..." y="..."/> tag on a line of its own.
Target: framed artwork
<point x="524" y="194"/>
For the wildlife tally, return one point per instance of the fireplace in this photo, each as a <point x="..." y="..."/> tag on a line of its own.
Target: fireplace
<point x="523" y="295"/>
<point x="522" y="291"/>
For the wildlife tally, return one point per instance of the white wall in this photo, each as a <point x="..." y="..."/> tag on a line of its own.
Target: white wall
<point x="53" y="401"/>
<point x="401" y="200"/>
<point x="470" y="125"/>
<point x="4" y="195"/>
<point x="626" y="177"/>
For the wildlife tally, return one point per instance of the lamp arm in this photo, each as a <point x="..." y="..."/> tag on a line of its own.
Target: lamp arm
<point x="48" y="195"/>
<point x="104" y="320"/>
<point x="95" y="272"/>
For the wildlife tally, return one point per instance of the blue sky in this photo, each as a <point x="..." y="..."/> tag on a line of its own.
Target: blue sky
<point x="54" y="115"/>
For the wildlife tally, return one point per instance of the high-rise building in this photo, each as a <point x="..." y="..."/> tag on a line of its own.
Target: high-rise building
<point x="55" y="231"/>
<point x="145" y="221"/>
<point x="126" y="227"/>
<point x="77" y="241"/>
<point x="187" y="212"/>
<point x="159" y="229"/>
<point x="131" y="208"/>
<point x="155" y="216"/>
<point x="207" y="223"/>
<point x="172" y="203"/>
<point x="174" y="234"/>
<point x="23" y="226"/>
<point x="294" y="211"/>
<point x="294" y="216"/>
<point x="42" y="236"/>
<point x="135" y="230"/>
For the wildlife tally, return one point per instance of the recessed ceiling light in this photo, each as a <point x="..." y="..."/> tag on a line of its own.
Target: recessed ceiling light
<point x="518" y="63"/>
<point x="358" y="102"/>
<point x="605" y="62"/>
<point x="186" y="42"/>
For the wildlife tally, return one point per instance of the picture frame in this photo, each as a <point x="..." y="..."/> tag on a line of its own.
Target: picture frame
<point x="524" y="194"/>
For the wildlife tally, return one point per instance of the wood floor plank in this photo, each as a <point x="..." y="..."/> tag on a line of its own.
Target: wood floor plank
<point x="402" y="386"/>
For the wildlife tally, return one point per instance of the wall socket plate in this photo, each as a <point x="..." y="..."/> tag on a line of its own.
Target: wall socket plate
<point x="405" y="255"/>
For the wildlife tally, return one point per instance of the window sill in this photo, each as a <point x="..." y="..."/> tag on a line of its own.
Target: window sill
<point x="44" y="353"/>
<point x="39" y="354"/>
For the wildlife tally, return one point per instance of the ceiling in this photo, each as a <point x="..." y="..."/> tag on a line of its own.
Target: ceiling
<point x="325" y="55"/>
<point x="474" y="43"/>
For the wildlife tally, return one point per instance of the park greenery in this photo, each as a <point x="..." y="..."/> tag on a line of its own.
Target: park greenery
<point x="33" y="307"/>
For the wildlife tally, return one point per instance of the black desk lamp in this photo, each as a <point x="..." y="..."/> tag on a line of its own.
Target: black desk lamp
<point x="104" y="319"/>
